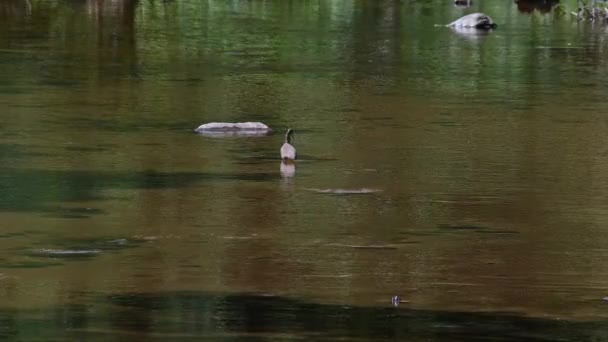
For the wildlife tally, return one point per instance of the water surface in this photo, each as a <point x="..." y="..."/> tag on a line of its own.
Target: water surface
<point x="464" y="172"/>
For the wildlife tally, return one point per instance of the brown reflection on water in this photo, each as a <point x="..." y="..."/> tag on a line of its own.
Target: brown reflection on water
<point x="259" y="260"/>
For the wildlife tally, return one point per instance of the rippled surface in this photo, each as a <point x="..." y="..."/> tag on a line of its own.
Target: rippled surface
<point x="464" y="172"/>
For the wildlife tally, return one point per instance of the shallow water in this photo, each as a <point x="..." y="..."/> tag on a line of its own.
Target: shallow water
<point x="463" y="172"/>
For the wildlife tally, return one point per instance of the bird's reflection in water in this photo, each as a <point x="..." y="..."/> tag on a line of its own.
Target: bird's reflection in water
<point x="288" y="169"/>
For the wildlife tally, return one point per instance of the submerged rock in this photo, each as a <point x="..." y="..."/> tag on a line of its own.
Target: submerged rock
<point x="474" y="20"/>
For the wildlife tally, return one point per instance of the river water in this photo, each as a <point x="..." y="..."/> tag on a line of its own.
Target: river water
<point x="465" y="172"/>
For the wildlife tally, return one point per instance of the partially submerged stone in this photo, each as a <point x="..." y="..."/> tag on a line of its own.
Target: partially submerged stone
<point x="232" y="126"/>
<point x="227" y="129"/>
<point x="474" y="20"/>
<point x="463" y="3"/>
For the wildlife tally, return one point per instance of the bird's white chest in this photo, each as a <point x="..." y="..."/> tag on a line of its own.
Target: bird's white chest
<point x="288" y="151"/>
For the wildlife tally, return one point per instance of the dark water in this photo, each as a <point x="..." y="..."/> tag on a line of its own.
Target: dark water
<point x="464" y="172"/>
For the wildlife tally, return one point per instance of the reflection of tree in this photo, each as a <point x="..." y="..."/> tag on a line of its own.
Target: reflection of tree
<point x="70" y="30"/>
<point x="12" y="8"/>
<point x="185" y="316"/>
<point x="113" y="53"/>
<point x="529" y="6"/>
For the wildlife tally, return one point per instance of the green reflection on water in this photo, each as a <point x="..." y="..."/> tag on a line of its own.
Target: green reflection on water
<point x="190" y="315"/>
<point x="32" y="190"/>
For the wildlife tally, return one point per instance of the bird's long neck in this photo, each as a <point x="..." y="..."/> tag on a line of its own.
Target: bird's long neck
<point x="288" y="136"/>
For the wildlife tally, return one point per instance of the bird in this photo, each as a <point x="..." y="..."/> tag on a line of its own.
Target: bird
<point x="288" y="152"/>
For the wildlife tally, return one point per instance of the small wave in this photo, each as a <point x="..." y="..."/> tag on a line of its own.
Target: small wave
<point x="329" y="276"/>
<point x="563" y="47"/>
<point x="118" y="242"/>
<point x="247" y="237"/>
<point x="66" y="252"/>
<point x="147" y="238"/>
<point x="363" y="246"/>
<point x="344" y="191"/>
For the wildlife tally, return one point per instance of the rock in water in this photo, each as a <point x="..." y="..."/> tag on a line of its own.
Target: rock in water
<point x="463" y="3"/>
<point x="231" y="129"/>
<point x="474" y="20"/>
<point x="232" y="126"/>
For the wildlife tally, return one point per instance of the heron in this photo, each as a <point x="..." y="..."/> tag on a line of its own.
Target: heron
<point x="288" y="152"/>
